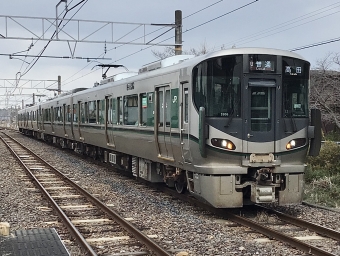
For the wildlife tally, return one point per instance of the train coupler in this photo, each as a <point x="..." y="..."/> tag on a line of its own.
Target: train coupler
<point x="262" y="194"/>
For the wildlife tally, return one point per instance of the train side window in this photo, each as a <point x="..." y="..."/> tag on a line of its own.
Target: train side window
<point x="92" y="112"/>
<point x="131" y="110"/>
<point x="75" y="113"/>
<point x="82" y="113"/>
<point x="113" y="107"/>
<point x="186" y="105"/>
<point x="56" y="116"/>
<point x="86" y="112"/>
<point x="120" y="110"/>
<point x="101" y="111"/>
<point x="144" y="109"/>
<point x="46" y="115"/>
<point x="55" y="110"/>
<point x="167" y="106"/>
<point x="63" y="113"/>
<point x="109" y="111"/>
<point x="60" y="114"/>
<point x="68" y="113"/>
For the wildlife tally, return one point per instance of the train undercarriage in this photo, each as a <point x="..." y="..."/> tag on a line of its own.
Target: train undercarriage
<point x="257" y="185"/>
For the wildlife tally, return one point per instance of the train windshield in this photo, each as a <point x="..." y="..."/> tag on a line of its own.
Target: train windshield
<point x="295" y="87"/>
<point x="217" y="86"/>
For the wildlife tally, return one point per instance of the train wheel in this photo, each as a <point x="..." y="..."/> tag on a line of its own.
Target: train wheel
<point x="181" y="186"/>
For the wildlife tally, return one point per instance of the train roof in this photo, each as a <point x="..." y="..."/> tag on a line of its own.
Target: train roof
<point x="175" y="63"/>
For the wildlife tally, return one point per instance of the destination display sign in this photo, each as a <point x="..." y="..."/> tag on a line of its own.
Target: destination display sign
<point x="260" y="63"/>
<point x="293" y="70"/>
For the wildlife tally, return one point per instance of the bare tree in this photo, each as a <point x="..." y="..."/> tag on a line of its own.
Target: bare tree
<point x="325" y="88"/>
<point x="170" y="51"/>
<point x="167" y="52"/>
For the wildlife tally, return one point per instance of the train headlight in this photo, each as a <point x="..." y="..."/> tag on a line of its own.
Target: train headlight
<point x="223" y="143"/>
<point x="296" y="143"/>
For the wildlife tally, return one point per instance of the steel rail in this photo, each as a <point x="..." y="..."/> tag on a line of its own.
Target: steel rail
<point x="269" y="232"/>
<point x="305" y="224"/>
<point x="72" y="229"/>
<point x="154" y="247"/>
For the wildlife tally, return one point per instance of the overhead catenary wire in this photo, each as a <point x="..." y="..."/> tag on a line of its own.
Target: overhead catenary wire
<point x="32" y="44"/>
<point x="44" y="48"/>
<point x="315" y="44"/>
<point x="148" y="47"/>
<point x="34" y="61"/>
<point x="285" y="24"/>
<point x="121" y="45"/>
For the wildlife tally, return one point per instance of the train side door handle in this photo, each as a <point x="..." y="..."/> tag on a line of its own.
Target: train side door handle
<point x="249" y="135"/>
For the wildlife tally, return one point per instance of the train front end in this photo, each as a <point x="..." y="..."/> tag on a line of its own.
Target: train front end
<point x="253" y="129"/>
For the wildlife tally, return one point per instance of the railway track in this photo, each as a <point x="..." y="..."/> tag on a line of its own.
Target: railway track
<point x="95" y="226"/>
<point x="285" y="225"/>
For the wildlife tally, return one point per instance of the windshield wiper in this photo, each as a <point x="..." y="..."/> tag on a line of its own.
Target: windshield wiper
<point x="230" y="118"/>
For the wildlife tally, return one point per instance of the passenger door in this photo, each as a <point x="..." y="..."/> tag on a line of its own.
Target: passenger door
<point x="163" y="122"/>
<point x="259" y="119"/>
<point x="184" y="131"/>
<point x="109" y="120"/>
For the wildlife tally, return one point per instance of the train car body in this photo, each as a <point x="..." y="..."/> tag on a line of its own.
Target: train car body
<point x="230" y="126"/>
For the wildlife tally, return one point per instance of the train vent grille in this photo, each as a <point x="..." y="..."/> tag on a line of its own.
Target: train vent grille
<point x="112" y="158"/>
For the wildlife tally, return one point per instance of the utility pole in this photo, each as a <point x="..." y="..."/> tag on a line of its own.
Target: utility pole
<point x="59" y="85"/>
<point x="178" y="32"/>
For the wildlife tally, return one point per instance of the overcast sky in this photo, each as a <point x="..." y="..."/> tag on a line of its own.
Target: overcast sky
<point x="278" y="24"/>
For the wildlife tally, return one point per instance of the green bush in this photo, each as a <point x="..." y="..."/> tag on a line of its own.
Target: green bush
<point x="322" y="176"/>
<point x="332" y="136"/>
<point x="328" y="160"/>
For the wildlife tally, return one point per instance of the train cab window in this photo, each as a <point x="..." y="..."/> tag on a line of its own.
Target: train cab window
<point x="92" y="106"/>
<point x="260" y="106"/>
<point x="101" y="111"/>
<point x="131" y="110"/>
<point x="75" y="113"/>
<point x="295" y="87"/>
<point x="217" y="86"/>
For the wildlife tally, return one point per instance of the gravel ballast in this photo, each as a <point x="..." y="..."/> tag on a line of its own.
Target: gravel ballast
<point x="178" y="225"/>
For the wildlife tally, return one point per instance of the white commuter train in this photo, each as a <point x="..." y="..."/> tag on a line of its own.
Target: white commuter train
<point x="230" y="126"/>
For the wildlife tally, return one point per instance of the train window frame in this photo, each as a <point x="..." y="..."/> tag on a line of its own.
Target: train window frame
<point x="120" y="111"/>
<point x="295" y="88"/>
<point x="75" y="115"/>
<point x="101" y="111"/>
<point x="68" y="113"/>
<point x="186" y="105"/>
<point x="63" y="113"/>
<point x="92" y="112"/>
<point x="114" y="111"/>
<point x="219" y="77"/>
<point x="131" y="111"/>
<point x="143" y="108"/>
